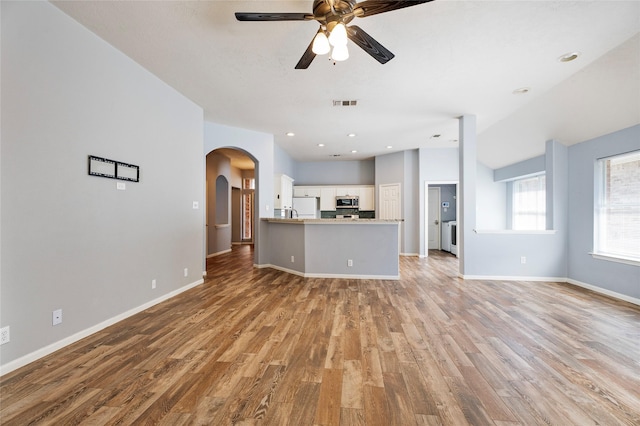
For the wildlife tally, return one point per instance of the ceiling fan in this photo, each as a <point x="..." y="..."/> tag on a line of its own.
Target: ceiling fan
<point x="333" y="15"/>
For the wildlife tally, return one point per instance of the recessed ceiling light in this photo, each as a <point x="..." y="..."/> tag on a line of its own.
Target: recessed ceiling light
<point x="290" y="134"/>
<point x="389" y="147"/>
<point x="568" y="57"/>
<point x="522" y="91"/>
<point x="352" y="135"/>
<point x="353" y="151"/>
<point x="321" y="144"/>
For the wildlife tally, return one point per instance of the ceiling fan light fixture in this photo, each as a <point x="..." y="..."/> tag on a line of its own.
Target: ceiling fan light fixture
<point x="338" y="36"/>
<point x="340" y="53"/>
<point x="321" y="44"/>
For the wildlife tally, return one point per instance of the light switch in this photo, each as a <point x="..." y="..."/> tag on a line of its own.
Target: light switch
<point x="196" y="205"/>
<point x="121" y="186"/>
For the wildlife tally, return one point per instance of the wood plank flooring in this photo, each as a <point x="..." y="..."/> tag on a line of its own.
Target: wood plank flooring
<point x="262" y="347"/>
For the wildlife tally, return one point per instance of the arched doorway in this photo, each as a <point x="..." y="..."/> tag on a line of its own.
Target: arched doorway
<point x="230" y="216"/>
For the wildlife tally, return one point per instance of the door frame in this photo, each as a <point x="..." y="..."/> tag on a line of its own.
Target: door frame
<point x="425" y="219"/>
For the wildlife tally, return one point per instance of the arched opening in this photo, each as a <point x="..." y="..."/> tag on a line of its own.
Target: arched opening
<point x="231" y="182"/>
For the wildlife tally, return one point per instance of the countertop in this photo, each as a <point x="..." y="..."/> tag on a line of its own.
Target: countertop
<point x="347" y="221"/>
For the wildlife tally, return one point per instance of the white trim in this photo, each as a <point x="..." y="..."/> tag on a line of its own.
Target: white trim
<point x="410" y="254"/>
<point x="218" y="253"/>
<point x="42" y="352"/>
<point x="564" y="280"/>
<point x="515" y="231"/>
<point x="604" y="291"/>
<point x="323" y="275"/>
<point x="617" y="259"/>
<point x="512" y="278"/>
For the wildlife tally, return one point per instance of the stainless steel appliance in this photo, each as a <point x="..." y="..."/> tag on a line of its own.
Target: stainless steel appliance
<point x="347" y="202"/>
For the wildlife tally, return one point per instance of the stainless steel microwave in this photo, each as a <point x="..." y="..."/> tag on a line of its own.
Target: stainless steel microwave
<point x="347" y="202"/>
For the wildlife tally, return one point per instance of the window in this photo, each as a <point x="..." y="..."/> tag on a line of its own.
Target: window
<point x="617" y="222"/>
<point x="529" y="204"/>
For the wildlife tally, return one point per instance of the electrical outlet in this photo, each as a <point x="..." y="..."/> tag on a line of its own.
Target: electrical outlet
<point x="350" y="262"/>
<point x="186" y="272"/>
<point x="5" y="337"/>
<point x="57" y="317"/>
<point x="293" y="259"/>
<point x="523" y="259"/>
<point x="153" y="284"/>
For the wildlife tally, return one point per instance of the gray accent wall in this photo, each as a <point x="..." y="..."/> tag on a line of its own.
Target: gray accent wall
<point x="335" y="172"/>
<point x="498" y="254"/>
<point x="612" y="276"/>
<point x="72" y="241"/>
<point x="218" y="236"/>
<point x="260" y="147"/>
<point x="492" y="201"/>
<point x="283" y="164"/>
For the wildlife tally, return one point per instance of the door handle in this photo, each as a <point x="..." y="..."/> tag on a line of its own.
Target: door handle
<point x="436" y="221"/>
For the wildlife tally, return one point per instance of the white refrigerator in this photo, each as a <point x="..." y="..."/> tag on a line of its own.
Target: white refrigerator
<point x="306" y="207"/>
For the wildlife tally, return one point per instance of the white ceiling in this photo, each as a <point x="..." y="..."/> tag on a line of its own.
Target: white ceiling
<point x="452" y="58"/>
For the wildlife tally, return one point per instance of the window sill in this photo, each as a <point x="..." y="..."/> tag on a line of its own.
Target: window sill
<point x="514" y="231"/>
<point x="616" y="259"/>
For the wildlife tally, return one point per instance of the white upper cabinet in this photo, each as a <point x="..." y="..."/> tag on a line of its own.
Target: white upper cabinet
<point x="307" y="191"/>
<point x="328" y="198"/>
<point x="283" y="192"/>
<point x="327" y="195"/>
<point x="367" y="198"/>
<point x="342" y="191"/>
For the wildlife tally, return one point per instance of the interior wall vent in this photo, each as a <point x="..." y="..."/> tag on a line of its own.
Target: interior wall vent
<point x="344" y="103"/>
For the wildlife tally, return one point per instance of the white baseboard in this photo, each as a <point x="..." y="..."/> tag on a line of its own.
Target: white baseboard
<point x="604" y="291"/>
<point x="512" y="278"/>
<point x="591" y="287"/>
<point x="346" y="276"/>
<point x="42" y="352"/>
<point x="218" y="253"/>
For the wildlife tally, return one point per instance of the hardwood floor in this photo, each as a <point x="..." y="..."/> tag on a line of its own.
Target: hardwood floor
<point x="262" y="347"/>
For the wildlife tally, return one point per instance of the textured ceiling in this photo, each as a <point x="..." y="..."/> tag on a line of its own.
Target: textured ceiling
<point x="452" y="58"/>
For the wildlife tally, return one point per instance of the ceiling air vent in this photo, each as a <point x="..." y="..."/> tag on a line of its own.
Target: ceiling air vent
<point x="344" y="103"/>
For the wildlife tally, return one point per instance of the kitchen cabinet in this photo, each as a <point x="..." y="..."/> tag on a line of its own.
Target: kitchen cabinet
<point x="306" y="191"/>
<point x="342" y="191"/>
<point x="327" y="195"/>
<point x="328" y="198"/>
<point x="367" y="198"/>
<point x="283" y="192"/>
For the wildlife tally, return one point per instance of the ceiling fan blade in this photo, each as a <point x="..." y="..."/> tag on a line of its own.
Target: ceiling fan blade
<point x="248" y="16"/>
<point x="307" y="57"/>
<point x="369" y="44"/>
<point x="373" y="7"/>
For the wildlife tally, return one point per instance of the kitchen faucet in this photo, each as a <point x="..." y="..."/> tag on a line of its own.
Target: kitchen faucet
<point x="294" y="210"/>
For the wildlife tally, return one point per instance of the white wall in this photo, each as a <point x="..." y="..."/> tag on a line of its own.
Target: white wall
<point x="72" y="241"/>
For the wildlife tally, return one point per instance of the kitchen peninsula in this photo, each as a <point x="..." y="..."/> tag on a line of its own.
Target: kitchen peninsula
<point x="332" y="248"/>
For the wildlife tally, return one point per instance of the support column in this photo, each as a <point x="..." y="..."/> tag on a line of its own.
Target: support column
<point x="467" y="209"/>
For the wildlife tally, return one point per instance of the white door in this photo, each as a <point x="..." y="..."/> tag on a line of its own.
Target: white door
<point x="433" y="218"/>
<point x="390" y="201"/>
